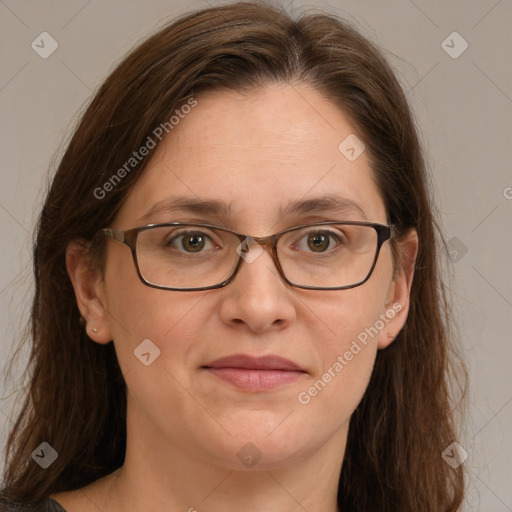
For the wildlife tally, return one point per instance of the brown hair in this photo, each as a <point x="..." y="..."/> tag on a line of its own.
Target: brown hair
<point x="76" y="398"/>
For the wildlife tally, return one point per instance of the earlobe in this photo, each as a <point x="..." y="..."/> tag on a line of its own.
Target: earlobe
<point x="398" y="297"/>
<point x="394" y="318"/>
<point x="86" y="283"/>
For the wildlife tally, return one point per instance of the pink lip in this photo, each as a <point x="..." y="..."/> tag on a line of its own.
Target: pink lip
<point x="255" y="373"/>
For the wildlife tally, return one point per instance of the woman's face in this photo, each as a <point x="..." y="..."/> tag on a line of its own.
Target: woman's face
<point x="256" y="153"/>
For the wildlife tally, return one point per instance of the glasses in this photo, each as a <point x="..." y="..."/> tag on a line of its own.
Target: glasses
<point x="184" y="256"/>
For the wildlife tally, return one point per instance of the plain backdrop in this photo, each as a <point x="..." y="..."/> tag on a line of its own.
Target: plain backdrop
<point x="461" y="99"/>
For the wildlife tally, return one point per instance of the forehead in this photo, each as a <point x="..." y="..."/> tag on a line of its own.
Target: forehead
<point x="258" y="153"/>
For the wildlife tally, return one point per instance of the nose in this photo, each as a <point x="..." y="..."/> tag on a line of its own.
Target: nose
<point x="258" y="298"/>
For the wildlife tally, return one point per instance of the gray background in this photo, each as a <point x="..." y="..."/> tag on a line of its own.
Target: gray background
<point x="463" y="106"/>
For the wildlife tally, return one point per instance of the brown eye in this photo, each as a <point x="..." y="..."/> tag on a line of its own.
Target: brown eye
<point x="319" y="242"/>
<point x="193" y="242"/>
<point x="187" y="242"/>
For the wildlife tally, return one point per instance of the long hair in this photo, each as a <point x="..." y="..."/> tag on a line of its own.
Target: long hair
<point x="76" y="397"/>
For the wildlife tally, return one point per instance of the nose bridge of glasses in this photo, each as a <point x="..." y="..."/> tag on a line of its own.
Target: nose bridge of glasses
<point x="251" y="248"/>
<point x="258" y="244"/>
<point x="264" y="241"/>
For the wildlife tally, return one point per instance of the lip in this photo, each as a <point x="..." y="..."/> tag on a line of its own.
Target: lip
<point x="255" y="373"/>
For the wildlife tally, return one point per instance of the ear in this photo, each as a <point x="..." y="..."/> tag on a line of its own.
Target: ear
<point x="89" y="291"/>
<point x="398" y="296"/>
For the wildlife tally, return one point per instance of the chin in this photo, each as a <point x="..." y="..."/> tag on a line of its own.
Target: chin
<point x="260" y="445"/>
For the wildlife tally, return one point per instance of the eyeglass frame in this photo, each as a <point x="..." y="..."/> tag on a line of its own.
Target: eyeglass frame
<point x="129" y="238"/>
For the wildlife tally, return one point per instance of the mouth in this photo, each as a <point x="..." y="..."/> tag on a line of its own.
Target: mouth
<point x="255" y="373"/>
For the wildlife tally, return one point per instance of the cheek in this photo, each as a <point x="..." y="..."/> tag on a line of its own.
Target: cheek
<point x="350" y="321"/>
<point x="173" y="324"/>
<point x="172" y="321"/>
<point x="326" y="402"/>
<point x="156" y="342"/>
<point x="346" y="316"/>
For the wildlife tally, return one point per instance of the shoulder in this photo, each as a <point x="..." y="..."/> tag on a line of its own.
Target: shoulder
<point x="44" y="505"/>
<point x="78" y="500"/>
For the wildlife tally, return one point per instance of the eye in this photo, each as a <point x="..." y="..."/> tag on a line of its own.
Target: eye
<point x="189" y="241"/>
<point x="318" y="241"/>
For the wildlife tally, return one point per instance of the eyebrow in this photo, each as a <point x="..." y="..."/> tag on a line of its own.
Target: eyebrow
<point x="219" y="208"/>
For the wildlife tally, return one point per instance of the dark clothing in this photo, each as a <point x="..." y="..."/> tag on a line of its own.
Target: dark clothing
<point x="45" y="505"/>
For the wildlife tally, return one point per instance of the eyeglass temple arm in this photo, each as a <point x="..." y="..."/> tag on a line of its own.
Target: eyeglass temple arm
<point x="115" y="234"/>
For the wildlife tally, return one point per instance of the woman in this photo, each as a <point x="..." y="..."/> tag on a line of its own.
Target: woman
<point x="185" y="359"/>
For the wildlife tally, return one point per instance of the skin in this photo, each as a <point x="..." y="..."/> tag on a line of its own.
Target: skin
<point x="185" y="427"/>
